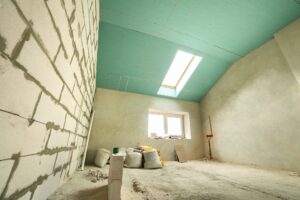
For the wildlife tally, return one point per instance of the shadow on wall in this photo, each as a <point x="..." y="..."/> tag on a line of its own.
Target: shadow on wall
<point x="90" y="157"/>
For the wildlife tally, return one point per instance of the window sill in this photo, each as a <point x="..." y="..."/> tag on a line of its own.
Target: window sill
<point x="167" y="138"/>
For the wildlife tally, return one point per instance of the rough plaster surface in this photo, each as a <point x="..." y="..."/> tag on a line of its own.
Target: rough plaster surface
<point x="47" y="81"/>
<point x="121" y="119"/>
<point x="288" y="40"/>
<point x="194" y="180"/>
<point x="255" y="107"/>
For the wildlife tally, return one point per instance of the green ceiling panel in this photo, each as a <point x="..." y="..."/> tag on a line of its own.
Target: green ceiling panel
<point x="139" y="39"/>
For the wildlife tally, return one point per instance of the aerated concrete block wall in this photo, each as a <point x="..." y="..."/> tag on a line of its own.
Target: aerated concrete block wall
<point x="47" y="84"/>
<point x="255" y="106"/>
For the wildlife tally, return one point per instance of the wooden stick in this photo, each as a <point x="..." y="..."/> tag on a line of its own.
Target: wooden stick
<point x="211" y="132"/>
<point x="209" y="148"/>
<point x="87" y="142"/>
<point x="209" y="138"/>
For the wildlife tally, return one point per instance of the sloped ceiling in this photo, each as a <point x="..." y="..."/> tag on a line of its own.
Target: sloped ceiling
<point x="139" y="39"/>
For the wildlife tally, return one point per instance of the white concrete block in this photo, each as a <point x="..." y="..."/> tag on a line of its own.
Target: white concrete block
<point x="58" y="139"/>
<point x="83" y="146"/>
<point x="80" y="142"/>
<point x="73" y="167"/>
<point x="34" y="138"/>
<point x="65" y="69"/>
<point x="89" y="108"/>
<point x="40" y="67"/>
<point x="79" y="13"/>
<point x="62" y="158"/>
<point x="70" y="124"/>
<point x="71" y="141"/>
<point x="85" y="121"/>
<point x="80" y="129"/>
<point x="84" y="47"/>
<point x="88" y="70"/>
<point x="115" y="178"/>
<point x="63" y="177"/>
<point x="77" y="112"/>
<point x="5" y="169"/>
<point x="18" y="95"/>
<point x="86" y="15"/>
<point x="10" y="34"/>
<point x="83" y="90"/>
<point x="69" y="7"/>
<point x="68" y="100"/>
<point x="85" y="131"/>
<point x="17" y="136"/>
<point x="49" y="111"/>
<point x="76" y="141"/>
<point x="47" y="188"/>
<point x="61" y="22"/>
<point x="84" y="106"/>
<point x="77" y="35"/>
<point x="42" y="165"/>
<point x="76" y="107"/>
<point x="77" y="94"/>
<point x="75" y="153"/>
<point x="37" y="12"/>
<point x="76" y="69"/>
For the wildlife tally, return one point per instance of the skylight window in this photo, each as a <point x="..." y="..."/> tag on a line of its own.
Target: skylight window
<point x="181" y="69"/>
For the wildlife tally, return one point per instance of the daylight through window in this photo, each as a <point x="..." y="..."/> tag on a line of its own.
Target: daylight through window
<point x="167" y="125"/>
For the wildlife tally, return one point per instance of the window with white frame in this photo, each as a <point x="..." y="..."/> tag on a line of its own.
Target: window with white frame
<point x="162" y="124"/>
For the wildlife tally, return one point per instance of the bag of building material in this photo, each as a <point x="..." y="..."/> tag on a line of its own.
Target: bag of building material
<point x="129" y="150"/>
<point x="133" y="160"/>
<point x="152" y="160"/>
<point x="102" y="156"/>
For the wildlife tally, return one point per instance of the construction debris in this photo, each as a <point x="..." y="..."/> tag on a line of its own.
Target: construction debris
<point x="137" y="186"/>
<point x="96" y="175"/>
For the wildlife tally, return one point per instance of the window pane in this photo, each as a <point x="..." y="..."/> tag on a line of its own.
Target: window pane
<point x="177" y="68"/>
<point x="156" y="124"/>
<point x="174" y="126"/>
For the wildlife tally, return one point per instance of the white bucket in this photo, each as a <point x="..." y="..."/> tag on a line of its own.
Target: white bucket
<point x="102" y="157"/>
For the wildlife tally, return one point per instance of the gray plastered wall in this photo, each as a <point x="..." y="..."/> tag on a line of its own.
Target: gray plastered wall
<point x="121" y="120"/>
<point x="255" y="107"/>
<point x="48" y="56"/>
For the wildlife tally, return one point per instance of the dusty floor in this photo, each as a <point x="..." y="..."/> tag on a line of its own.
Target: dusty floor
<point x="194" y="180"/>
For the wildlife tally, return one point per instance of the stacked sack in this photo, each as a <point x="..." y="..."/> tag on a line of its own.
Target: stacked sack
<point x="143" y="156"/>
<point x="134" y="158"/>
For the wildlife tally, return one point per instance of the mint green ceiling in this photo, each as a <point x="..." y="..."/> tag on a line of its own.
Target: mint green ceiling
<point x="139" y="39"/>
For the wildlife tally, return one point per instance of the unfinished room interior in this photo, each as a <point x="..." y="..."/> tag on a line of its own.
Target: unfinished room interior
<point x="150" y="100"/>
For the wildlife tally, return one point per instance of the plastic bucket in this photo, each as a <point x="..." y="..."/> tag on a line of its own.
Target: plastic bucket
<point x="116" y="150"/>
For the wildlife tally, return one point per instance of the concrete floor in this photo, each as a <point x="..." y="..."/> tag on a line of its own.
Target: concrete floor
<point x="192" y="180"/>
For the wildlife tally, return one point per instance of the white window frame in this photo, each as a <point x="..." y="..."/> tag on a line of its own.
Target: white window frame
<point x="185" y="122"/>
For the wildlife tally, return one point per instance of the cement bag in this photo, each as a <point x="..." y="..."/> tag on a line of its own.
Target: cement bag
<point x="102" y="157"/>
<point x="133" y="160"/>
<point x="129" y="150"/>
<point x="152" y="160"/>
